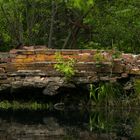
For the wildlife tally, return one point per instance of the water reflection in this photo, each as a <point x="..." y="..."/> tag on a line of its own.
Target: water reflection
<point x="96" y="124"/>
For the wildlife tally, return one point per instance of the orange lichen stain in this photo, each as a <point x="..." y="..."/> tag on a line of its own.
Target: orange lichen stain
<point x="32" y="56"/>
<point x="21" y="56"/>
<point x="84" y="56"/>
<point x="23" y="59"/>
<point x="40" y="57"/>
<point x="51" y="58"/>
<point x="28" y="60"/>
<point x="17" y="60"/>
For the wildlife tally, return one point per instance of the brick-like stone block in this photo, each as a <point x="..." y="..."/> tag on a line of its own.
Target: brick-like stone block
<point x="41" y="51"/>
<point x="14" y="60"/>
<point x="3" y="76"/>
<point x="124" y="75"/>
<point x="104" y="68"/>
<point x="70" y="52"/>
<point x="4" y="82"/>
<point x="52" y="51"/>
<point x="118" y="68"/>
<point x="12" y="67"/>
<point x="2" y="70"/>
<point x="85" y="57"/>
<point x="135" y="71"/>
<point x="128" y="58"/>
<point x="23" y="51"/>
<point x="92" y="52"/>
<point x="20" y="56"/>
<point x="137" y="62"/>
<point x="3" y="65"/>
<point x="104" y="78"/>
<point x="13" y="51"/>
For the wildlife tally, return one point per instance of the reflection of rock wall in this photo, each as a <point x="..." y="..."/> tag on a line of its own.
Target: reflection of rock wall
<point x="35" y="68"/>
<point x="69" y="124"/>
<point x="11" y="131"/>
<point x="52" y="131"/>
<point x="15" y="131"/>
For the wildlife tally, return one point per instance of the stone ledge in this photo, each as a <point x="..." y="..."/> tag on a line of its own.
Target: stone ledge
<point x="35" y="67"/>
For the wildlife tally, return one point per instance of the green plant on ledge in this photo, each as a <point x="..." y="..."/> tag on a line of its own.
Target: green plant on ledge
<point x="116" y="54"/>
<point x="99" y="58"/>
<point x="65" y="66"/>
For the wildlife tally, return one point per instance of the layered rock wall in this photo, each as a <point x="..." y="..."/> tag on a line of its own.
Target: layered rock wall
<point x="35" y="68"/>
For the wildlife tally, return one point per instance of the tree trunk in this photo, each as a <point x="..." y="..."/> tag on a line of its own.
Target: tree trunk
<point x="52" y="25"/>
<point x="72" y="35"/>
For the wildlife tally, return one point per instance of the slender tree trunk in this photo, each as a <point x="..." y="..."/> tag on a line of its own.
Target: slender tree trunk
<point x="74" y="38"/>
<point x="21" y="31"/>
<point x="18" y="23"/>
<point x="30" y="20"/>
<point x="27" y="22"/>
<point x="67" y="39"/>
<point x="52" y="25"/>
<point x="74" y="31"/>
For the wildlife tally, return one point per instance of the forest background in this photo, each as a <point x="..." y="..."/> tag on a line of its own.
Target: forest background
<point x="71" y="24"/>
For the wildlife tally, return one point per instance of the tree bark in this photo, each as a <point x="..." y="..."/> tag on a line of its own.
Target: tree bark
<point x="74" y="31"/>
<point x="52" y="25"/>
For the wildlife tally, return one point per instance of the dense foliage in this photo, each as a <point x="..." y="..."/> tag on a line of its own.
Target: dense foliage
<point x="72" y="24"/>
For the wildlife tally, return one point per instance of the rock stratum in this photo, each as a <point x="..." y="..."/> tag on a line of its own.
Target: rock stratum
<point x="34" y="67"/>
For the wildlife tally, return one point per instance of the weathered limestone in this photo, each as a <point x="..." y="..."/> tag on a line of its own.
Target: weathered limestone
<point x="34" y="67"/>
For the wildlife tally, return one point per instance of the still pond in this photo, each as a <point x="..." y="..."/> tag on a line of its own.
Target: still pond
<point x="70" y="124"/>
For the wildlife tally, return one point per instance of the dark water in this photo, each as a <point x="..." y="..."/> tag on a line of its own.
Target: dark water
<point x="99" y="124"/>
